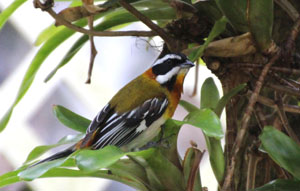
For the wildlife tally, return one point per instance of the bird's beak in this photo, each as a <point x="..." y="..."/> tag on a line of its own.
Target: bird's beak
<point x="187" y="64"/>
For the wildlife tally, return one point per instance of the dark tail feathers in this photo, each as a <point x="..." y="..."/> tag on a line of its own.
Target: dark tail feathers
<point x="58" y="155"/>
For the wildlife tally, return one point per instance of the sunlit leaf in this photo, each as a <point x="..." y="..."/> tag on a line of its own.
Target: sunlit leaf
<point x="63" y="172"/>
<point x="7" y="12"/>
<point x="216" y="157"/>
<point x="10" y="178"/>
<point x="38" y="170"/>
<point x="51" y="44"/>
<point x="188" y="106"/>
<point x="282" y="149"/>
<point x="47" y="33"/>
<point x="210" y="99"/>
<point x="92" y="160"/>
<point x="205" y="119"/>
<point x="209" y="94"/>
<point x="71" y="119"/>
<point x="40" y="150"/>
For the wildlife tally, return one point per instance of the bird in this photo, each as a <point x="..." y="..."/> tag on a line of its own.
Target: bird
<point x="135" y="115"/>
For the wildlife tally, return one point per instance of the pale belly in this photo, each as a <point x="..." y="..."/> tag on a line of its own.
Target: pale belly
<point x="146" y="136"/>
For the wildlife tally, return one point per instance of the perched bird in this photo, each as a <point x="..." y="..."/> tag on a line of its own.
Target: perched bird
<point x="134" y="116"/>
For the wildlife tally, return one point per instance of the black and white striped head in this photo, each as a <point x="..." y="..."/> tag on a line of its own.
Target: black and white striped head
<point x="167" y="68"/>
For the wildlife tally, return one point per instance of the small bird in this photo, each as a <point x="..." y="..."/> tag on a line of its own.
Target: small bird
<point x="134" y="116"/>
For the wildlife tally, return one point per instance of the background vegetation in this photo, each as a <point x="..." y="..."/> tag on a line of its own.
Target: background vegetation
<point x="250" y="45"/>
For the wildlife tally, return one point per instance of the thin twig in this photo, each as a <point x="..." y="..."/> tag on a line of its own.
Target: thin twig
<point x="284" y="89"/>
<point x="283" y="81"/>
<point x="288" y="8"/>
<point x="93" y="50"/>
<point x="196" y="78"/>
<point x="163" y="34"/>
<point x="194" y="170"/>
<point x="270" y="103"/>
<point x="260" y="116"/>
<point x="290" y="44"/>
<point x="244" y="127"/>
<point x="253" y="159"/>
<point x="98" y="33"/>
<point x="284" y="119"/>
<point x="48" y="7"/>
<point x="273" y="68"/>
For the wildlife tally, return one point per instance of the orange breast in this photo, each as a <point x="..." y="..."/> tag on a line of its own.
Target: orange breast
<point x="175" y="95"/>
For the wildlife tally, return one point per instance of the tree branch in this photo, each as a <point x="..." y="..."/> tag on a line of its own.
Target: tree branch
<point x="163" y="34"/>
<point x="239" y="141"/>
<point x="270" y="103"/>
<point x="284" y="119"/>
<point x="47" y="6"/>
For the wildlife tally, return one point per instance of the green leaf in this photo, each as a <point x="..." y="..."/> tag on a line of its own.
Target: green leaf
<point x="166" y="171"/>
<point x="10" y="177"/>
<point x="153" y="180"/>
<point x="205" y="119"/>
<point x="63" y="172"/>
<point x="128" y="168"/>
<point x="261" y="22"/>
<point x="5" y="119"/>
<point x="38" y="151"/>
<point x="6" y="13"/>
<point x="280" y="185"/>
<point x="38" y="170"/>
<point x="224" y="100"/>
<point x="93" y="160"/>
<point x="282" y="149"/>
<point x="188" y="106"/>
<point x="210" y="9"/>
<point x="209" y="94"/>
<point x="217" y="29"/>
<point x="47" y="33"/>
<point x="216" y="157"/>
<point x="53" y="42"/>
<point x="236" y="18"/>
<point x="71" y="119"/>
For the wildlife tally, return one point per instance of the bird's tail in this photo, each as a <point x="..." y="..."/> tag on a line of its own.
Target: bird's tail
<point x="58" y="155"/>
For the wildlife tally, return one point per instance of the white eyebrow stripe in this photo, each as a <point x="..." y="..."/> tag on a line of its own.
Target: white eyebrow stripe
<point x="166" y="77"/>
<point x="168" y="56"/>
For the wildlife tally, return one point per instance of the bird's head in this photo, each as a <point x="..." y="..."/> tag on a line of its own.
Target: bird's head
<point x="170" y="68"/>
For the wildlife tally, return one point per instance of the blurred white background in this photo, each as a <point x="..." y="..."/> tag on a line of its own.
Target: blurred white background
<point x="119" y="60"/>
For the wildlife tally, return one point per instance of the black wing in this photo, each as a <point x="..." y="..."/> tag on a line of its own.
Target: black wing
<point x="120" y="129"/>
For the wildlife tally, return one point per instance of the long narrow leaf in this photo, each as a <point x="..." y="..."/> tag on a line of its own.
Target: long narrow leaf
<point x="188" y="106"/>
<point x="280" y="185"/>
<point x="282" y="149"/>
<point x="38" y="151"/>
<point x="205" y="119"/>
<point x="6" y="13"/>
<point x="209" y="94"/>
<point x="224" y="100"/>
<point x="210" y="99"/>
<point x="71" y="119"/>
<point x="50" y="45"/>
